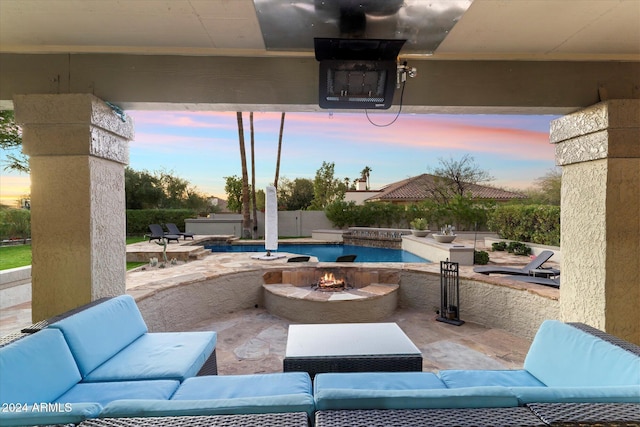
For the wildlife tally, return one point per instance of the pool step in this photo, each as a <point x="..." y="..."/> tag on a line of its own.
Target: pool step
<point x="200" y="254"/>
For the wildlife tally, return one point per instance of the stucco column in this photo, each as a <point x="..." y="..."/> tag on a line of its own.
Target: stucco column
<point x="599" y="151"/>
<point x="78" y="149"/>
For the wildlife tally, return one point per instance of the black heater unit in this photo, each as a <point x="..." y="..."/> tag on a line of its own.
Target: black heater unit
<point x="357" y="73"/>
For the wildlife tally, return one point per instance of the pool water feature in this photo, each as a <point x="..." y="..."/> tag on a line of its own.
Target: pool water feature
<point x="329" y="252"/>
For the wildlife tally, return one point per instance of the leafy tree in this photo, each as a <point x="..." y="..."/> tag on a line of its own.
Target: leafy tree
<point x="11" y="142"/>
<point x="296" y="194"/>
<point x="326" y="188"/>
<point x="549" y="186"/>
<point x="233" y="188"/>
<point x="142" y="190"/>
<point x="162" y="190"/>
<point x="454" y="177"/>
<point x="175" y="190"/>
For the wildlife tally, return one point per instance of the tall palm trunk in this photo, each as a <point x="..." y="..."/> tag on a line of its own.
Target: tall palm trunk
<point x="246" y="217"/>
<point x="275" y="181"/>
<point x="253" y="180"/>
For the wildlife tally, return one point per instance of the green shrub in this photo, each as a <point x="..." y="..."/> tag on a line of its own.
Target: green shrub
<point x="480" y="257"/>
<point x="15" y="223"/>
<point x="499" y="246"/>
<point x="518" y="248"/>
<point x="530" y="223"/>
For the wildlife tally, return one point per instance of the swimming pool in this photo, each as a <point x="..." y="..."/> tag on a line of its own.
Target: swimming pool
<point x="329" y="252"/>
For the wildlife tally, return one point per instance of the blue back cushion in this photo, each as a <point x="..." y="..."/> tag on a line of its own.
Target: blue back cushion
<point x="97" y="333"/>
<point x="564" y="356"/>
<point x="37" y="368"/>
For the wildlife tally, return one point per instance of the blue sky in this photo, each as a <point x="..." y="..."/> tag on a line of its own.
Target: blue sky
<point x="203" y="148"/>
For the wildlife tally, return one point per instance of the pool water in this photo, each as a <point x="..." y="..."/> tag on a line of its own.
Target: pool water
<point x="329" y="252"/>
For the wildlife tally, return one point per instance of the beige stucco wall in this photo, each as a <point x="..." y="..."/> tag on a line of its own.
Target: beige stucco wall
<point x="191" y="300"/>
<point x="599" y="151"/>
<point x="77" y="147"/>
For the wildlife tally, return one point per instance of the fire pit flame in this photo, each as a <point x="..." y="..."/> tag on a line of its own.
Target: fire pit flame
<point x="328" y="282"/>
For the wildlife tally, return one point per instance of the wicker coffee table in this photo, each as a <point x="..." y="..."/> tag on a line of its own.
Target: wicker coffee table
<point x="350" y="347"/>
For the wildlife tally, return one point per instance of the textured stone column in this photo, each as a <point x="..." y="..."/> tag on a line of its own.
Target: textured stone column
<point x="599" y="151"/>
<point x="78" y="149"/>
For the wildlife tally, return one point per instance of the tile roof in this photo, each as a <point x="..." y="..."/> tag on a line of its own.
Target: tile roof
<point x="417" y="189"/>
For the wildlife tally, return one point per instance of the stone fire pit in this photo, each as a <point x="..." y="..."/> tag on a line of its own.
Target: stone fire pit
<point x="370" y="294"/>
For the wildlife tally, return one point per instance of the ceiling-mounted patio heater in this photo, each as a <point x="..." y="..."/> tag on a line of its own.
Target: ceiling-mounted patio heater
<point x="357" y="73"/>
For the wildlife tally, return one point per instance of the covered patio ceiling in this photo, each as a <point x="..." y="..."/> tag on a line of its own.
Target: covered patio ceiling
<point x="504" y="56"/>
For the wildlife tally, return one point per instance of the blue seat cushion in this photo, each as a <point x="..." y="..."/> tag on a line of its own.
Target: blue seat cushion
<point x="37" y="368"/>
<point x="471" y="397"/>
<point x="103" y="393"/>
<point x="96" y="334"/>
<point x="302" y="402"/>
<point x="378" y="381"/>
<point x="598" y="394"/>
<point x="161" y="355"/>
<point x="53" y="414"/>
<point x="563" y="356"/>
<point x="475" y="378"/>
<point x="243" y="386"/>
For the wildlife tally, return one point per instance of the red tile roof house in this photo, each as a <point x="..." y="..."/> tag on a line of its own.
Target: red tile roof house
<point x="417" y="189"/>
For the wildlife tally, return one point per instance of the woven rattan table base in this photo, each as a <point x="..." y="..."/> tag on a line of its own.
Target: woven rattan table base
<point x="588" y="414"/>
<point x="291" y="419"/>
<point x="481" y="417"/>
<point x="317" y="365"/>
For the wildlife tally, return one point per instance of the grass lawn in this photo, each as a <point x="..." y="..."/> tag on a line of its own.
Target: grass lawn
<point x="20" y="255"/>
<point x="15" y="256"/>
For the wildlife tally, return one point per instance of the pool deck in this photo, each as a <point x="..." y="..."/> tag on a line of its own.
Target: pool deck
<point x="253" y="341"/>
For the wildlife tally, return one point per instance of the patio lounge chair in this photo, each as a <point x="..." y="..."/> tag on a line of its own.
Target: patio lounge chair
<point x="299" y="259"/>
<point x="173" y="229"/>
<point x="346" y="258"/>
<point x="157" y="233"/>
<point x="536" y="263"/>
<point x="554" y="283"/>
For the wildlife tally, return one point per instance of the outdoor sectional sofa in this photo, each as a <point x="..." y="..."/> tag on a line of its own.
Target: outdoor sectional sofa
<point x="102" y="362"/>
<point x="564" y="364"/>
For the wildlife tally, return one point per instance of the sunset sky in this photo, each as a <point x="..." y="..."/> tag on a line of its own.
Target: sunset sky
<point x="202" y="147"/>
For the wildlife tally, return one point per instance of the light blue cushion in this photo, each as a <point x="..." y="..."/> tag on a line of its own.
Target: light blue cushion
<point x="73" y="413"/>
<point x="378" y="381"/>
<point x="599" y="394"/>
<point x="473" y="378"/>
<point x="162" y="355"/>
<point x="564" y="356"/>
<point x="97" y="333"/>
<point x="472" y="397"/>
<point x="243" y="386"/>
<point x="37" y="368"/>
<point x="104" y="393"/>
<point x="246" y="405"/>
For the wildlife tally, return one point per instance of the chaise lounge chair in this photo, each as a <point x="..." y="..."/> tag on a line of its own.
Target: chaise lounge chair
<point x="173" y="229"/>
<point x="299" y="259"/>
<point x="346" y="258"/>
<point x="536" y="263"/>
<point x="157" y="233"/>
<point x="554" y="283"/>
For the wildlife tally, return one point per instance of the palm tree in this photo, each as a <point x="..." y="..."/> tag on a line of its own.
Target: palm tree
<point x="365" y="174"/>
<point x="254" y="234"/>
<point x="246" y="217"/>
<point x="275" y="181"/>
